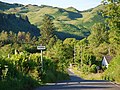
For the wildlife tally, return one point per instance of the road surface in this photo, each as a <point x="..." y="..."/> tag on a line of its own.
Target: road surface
<point x="77" y="83"/>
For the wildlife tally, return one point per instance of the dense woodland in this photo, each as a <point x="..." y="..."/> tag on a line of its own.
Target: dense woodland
<point x="20" y="64"/>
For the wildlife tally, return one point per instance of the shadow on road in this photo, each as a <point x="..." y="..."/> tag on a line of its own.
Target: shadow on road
<point x="77" y="83"/>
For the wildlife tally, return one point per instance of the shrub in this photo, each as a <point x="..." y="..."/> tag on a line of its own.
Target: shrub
<point x="93" y="68"/>
<point x="52" y="72"/>
<point x="104" y="68"/>
<point x="113" y="71"/>
<point x="23" y="83"/>
<point x="85" y="68"/>
<point x="13" y="79"/>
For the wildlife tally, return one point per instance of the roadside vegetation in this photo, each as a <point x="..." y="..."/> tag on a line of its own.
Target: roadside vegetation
<point x="20" y="61"/>
<point x="104" y="40"/>
<point x="87" y="75"/>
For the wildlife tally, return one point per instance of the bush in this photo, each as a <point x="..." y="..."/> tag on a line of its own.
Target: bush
<point x="104" y="68"/>
<point x="93" y="68"/>
<point x="113" y="71"/>
<point x="23" y="71"/>
<point x="85" y="68"/>
<point x="13" y="79"/>
<point x="24" y="83"/>
<point x="49" y="76"/>
<point x="52" y="72"/>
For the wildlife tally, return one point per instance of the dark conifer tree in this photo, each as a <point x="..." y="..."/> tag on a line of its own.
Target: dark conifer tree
<point x="47" y="30"/>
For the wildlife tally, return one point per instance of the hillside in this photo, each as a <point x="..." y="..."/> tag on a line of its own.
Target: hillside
<point x="69" y="22"/>
<point x="16" y="23"/>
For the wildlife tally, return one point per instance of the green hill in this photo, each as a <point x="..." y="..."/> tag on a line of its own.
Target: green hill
<point x="69" y="21"/>
<point x="16" y="23"/>
<point x="6" y="6"/>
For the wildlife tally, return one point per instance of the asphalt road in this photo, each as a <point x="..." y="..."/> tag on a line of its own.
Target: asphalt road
<point x="77" y="83"/>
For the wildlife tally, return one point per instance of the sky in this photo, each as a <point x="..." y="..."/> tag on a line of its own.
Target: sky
<point x="78" y="4"/>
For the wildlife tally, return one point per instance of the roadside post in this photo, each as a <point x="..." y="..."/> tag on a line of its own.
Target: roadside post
<point x="41" y="48"/>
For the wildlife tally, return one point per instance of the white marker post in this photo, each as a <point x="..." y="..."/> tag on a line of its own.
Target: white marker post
<point x="41" y="48"/>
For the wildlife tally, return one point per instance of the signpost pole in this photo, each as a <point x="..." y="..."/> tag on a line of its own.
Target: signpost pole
<point x="41" y="61"/>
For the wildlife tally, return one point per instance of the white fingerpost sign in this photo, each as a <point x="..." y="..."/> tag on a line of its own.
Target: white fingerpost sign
<point x="41" y="47"/>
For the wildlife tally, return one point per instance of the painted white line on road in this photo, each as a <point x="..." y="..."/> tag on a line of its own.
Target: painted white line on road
<point x="83" y="83"/>
<point x="115" y="84"/>
<point x="94" y="82"/>
<point x="78" y="85"/>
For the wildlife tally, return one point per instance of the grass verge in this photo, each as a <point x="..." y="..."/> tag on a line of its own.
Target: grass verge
<point x="87" y="76"/>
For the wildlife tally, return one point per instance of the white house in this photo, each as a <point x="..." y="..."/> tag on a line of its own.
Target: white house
<point x="106" y="60"/>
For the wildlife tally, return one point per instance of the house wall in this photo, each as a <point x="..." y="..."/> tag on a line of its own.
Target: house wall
<point x="104" y="62"/>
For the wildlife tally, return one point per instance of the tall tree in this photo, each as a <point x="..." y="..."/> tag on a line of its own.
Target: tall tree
<point x="60" y="54"/>
<point x="21" y="36"/>
<point x="113" y="12"/>
<point x="113" y="20"/>
<point x="12" y="37"/>
<point x="70" y="41"/>
<point x="4" y="37"/>
<point x="27" y="37"/>
<point x="47" y="30"/>
<point x="98" y="35"/>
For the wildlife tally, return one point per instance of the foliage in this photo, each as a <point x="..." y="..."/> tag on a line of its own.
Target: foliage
<point x="70" y="41"/>
<point x="112" y="12"/>
<point x="85" y="69"/>
<point x="88" y="76"/>
<point x="98" y="35"/>
<point x="65" y="20"/>
<point x="17" y="65"/>
<point x="93" y="68"/>
<point x="53" y="72"/>
<point x="20" y="61"/>
<point x="59" y="53"/>
<point x="47" y="30"/>
<point x="13" y="79"/>
<point x="25" y="69"/>
<point x="113" y="71"/>
<point x="17" y="23"/>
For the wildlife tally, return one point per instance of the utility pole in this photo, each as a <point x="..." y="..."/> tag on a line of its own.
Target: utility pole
<point x="109" y="50"/>
<point x="74" y="55"/>
<point x="81" y="56"/>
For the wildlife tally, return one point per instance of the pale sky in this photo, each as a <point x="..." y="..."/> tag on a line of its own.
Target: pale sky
<point x="78" y="4"/>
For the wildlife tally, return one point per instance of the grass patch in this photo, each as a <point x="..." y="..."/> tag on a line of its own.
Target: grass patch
<point x="87" y="76"/>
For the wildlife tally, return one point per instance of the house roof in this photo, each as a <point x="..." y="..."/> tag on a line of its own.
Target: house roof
<point x="108" y="58"/>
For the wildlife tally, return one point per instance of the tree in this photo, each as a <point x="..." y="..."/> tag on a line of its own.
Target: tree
<point x="21" y="36"/>
<point x="70" y="41"/>
<point x="113" y="20"/>
<point x="47" y="30"/>
<point x="27" y="37"/>
<point x="98" y="35"/>
<point x="113" y="71"/>
<point x="4" y="37"/>
<point x="5" y="50"/>
<point x="112" y="12"/>
<point x="12" y="37"/>
<point x="51" y="43"/>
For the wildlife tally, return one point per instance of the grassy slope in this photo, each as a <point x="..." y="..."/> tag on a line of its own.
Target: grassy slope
<point x="88" y="76"/>
<point x="69" y="20"/>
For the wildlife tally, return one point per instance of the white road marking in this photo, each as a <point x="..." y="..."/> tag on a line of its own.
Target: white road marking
<point x="115" y="84"/>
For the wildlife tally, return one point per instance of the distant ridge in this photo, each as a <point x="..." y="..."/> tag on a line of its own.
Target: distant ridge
<point x="68" y="20"/>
